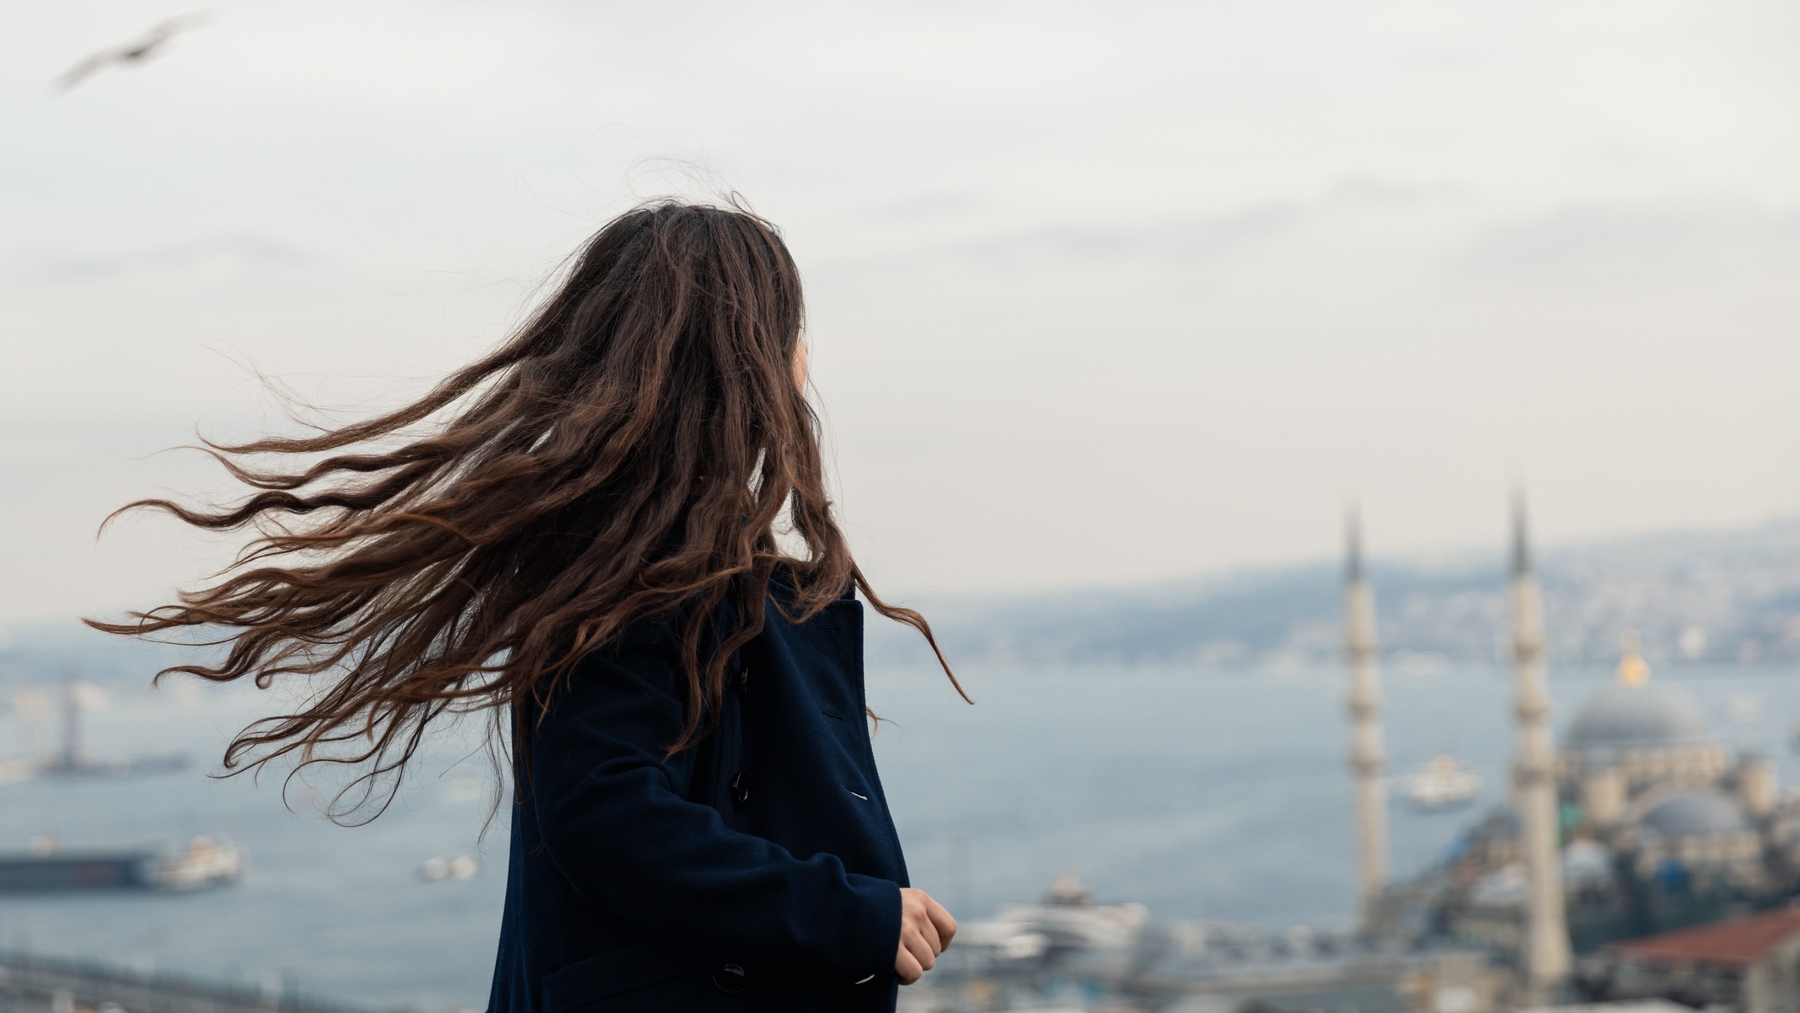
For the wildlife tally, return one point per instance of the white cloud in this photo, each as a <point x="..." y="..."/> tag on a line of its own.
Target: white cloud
<point x="1623" y="250"/>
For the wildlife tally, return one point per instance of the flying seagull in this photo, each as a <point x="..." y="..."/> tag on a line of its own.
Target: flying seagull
<point x="137" y="51"/>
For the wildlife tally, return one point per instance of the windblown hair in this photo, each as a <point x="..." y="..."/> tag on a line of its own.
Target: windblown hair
<point x="627" y="454"/>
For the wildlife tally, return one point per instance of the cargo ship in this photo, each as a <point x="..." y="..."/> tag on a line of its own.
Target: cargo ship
<point x="204" y="862"/>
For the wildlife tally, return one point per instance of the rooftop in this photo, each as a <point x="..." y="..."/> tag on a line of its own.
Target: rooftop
<point x="1733" y="943"/>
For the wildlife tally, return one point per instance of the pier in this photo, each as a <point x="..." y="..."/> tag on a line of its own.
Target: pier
<point x="36" y="984"/>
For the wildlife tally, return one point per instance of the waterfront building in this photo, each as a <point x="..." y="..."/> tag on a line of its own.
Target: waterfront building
<point x="1659" y="826"/>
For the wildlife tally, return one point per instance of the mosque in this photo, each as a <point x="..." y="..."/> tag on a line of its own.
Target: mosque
<point x="1638" y="821"/>
<point x="1659" y="827"/>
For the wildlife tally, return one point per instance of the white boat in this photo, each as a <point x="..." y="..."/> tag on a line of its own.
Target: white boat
<point x="204" y="862"/>
<point x="461" y="867"/>
<point x="1443" y="782"/>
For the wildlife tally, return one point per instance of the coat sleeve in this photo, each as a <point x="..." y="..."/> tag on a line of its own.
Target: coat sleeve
<point x="616" y="825"/>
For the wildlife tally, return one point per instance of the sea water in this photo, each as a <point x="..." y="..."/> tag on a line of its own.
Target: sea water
<point x="1203" y="795"/>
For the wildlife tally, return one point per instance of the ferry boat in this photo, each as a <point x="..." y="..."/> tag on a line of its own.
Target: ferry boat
<point x="1443" y="782"/>
<point x="459" y="868"/>
<point x="205" y="862"/>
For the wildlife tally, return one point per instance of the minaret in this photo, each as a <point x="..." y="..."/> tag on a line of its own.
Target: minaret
<point x="1366" y="753"/>
<point x="1546" y="956"/>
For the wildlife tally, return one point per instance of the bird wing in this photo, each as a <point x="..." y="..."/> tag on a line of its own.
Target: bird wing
<point x="174" y="26"/>
<point x="78" y="73"/>
<point x="159" y="36"/>
<point x="145" y="45"/>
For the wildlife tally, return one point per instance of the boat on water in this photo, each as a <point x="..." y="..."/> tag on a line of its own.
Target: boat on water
<point x="203" y="862"/>
<point x="1443" y="782"/>
<point x="436" y="870"/>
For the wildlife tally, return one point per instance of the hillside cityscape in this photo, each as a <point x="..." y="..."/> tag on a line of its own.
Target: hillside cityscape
<point x="1714" y="597"/>
<point x="1696" y="597"/>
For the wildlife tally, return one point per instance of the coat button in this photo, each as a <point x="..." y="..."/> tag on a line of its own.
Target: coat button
<point x="740" y="789"/>
<point x="730" y="978"/>
<point x="743" y="679"/>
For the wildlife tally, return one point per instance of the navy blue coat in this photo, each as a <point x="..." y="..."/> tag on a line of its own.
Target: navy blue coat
<point x="757" y="871"/>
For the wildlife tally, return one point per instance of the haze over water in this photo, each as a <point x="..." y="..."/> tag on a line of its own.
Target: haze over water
<point x="1205" y="796"/>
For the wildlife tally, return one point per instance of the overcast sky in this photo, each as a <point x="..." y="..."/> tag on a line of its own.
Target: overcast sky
<point x="1099" y="292"/>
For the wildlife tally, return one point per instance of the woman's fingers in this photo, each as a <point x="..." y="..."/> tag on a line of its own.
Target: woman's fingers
<point x="925" y="930"/>
<point x="928" y="932"/>
<point x="921" y="948"/>
<point x="941" y="920"/>
<point x="906" y="966"/>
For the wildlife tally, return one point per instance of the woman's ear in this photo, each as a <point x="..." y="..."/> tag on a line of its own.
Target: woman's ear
<point x="800" y="354"/>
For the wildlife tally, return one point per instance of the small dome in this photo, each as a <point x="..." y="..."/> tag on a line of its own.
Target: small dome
<point x="1586" y="863"/>
<point x="1695" y="814"/>
<point x="1623" y="717"/>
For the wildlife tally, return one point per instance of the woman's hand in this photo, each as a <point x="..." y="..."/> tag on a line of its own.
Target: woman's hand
<point x="925" y="931"/>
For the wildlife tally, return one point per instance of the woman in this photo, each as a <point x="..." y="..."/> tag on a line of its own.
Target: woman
<point x="586" y="535"/>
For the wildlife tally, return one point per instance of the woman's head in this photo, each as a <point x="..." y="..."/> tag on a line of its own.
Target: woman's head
<point x="630" y="452"/>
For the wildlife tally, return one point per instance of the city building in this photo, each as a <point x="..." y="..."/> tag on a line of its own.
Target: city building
<point x="1751" y="964"/>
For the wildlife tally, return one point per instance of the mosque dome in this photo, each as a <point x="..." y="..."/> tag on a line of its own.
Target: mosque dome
<point x="1629" y="717"/>
<point x="1696" y="813"/>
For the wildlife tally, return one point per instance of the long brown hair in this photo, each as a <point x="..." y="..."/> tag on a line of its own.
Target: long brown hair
<point x="629" y="453"/>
